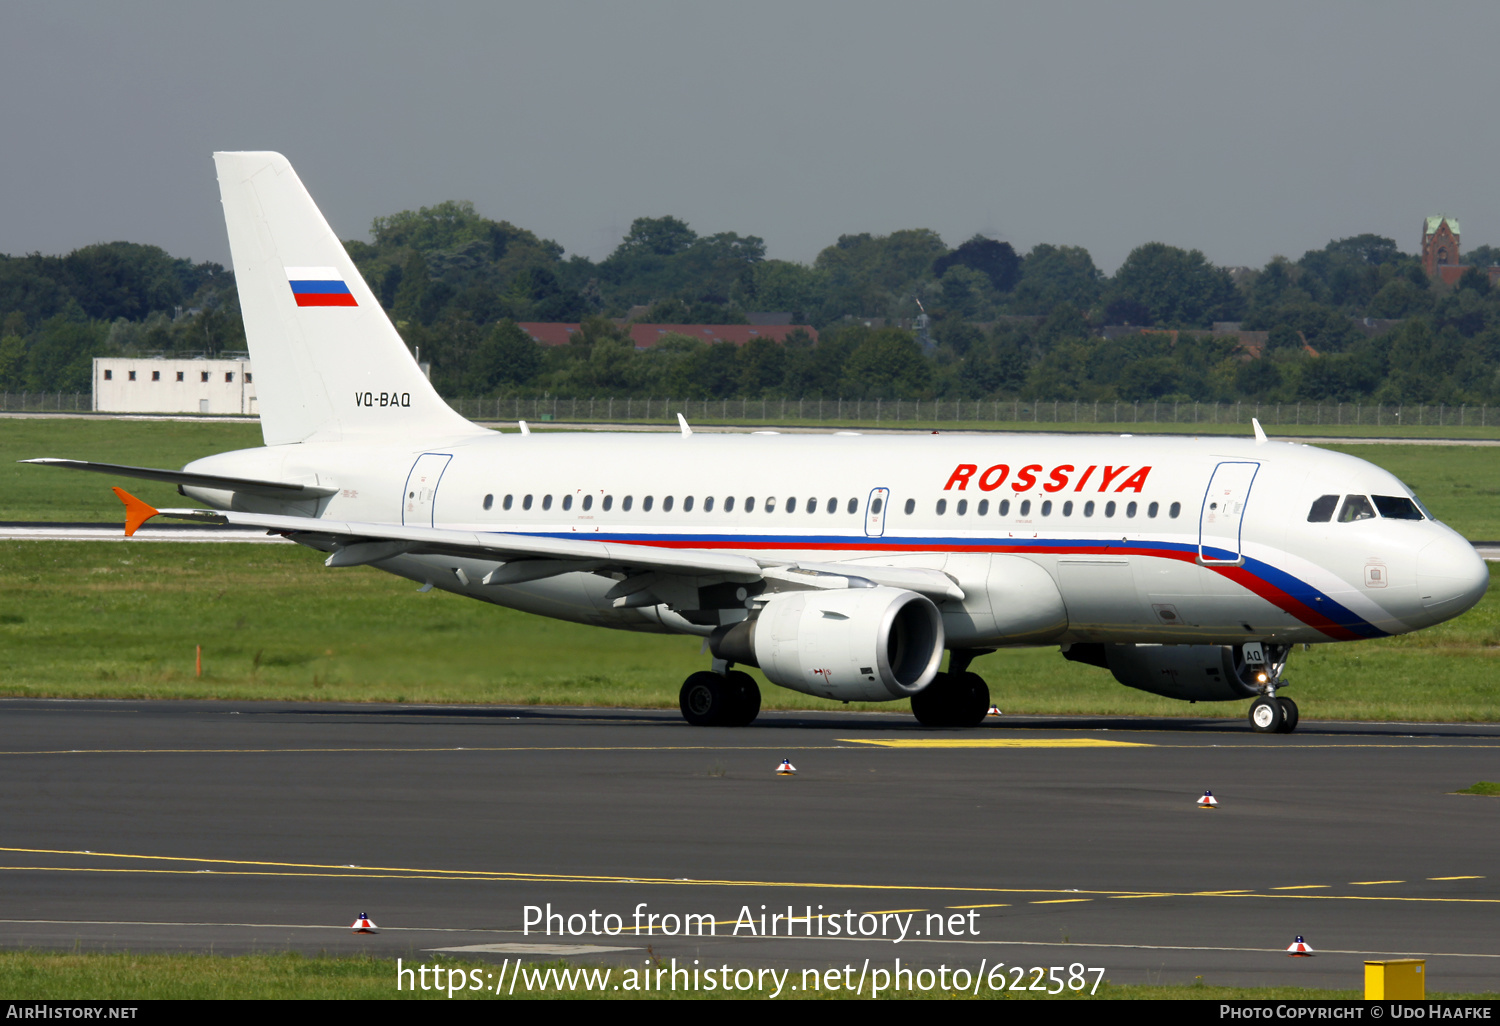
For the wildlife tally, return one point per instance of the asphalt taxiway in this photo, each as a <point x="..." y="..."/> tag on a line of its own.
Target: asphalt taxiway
<point x="1034" y="841"/>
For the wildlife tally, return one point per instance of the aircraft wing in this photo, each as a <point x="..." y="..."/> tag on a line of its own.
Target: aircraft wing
<point x="273" y="489"/>
<point x="530" y="557"/>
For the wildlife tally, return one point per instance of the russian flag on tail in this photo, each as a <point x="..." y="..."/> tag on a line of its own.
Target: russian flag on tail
<point x="319" y="286"/>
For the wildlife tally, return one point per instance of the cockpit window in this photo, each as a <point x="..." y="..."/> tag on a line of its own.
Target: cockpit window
<point x="1397" y="507"/>
<point x="1356" y="507"/>
<point x="1322" y="509"/>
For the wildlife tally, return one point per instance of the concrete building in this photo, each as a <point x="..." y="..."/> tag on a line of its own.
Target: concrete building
<point x="154" y="384"/>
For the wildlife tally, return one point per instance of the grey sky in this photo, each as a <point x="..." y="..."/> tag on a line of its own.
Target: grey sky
<point x="1243" y="130"/>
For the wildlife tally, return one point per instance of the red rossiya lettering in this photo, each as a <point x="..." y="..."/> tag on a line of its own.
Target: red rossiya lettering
<point x="961" y="475"/>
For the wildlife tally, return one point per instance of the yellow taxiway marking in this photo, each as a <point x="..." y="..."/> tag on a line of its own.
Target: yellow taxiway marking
<point x="994" y="742"/>
<point x="249" y="867"/>
<point x="434" y="751"/>
<point x="1372" y="883"/>
<point x="1301" y="887"/>
<point x="1455" y="878"/>
<point x="978" y="906"/>
<point x="1059" y="901"/>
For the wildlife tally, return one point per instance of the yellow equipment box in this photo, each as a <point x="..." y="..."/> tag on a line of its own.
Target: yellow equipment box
<point x="1396" y="979"/>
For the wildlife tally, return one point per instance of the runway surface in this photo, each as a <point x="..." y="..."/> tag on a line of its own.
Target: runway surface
<point x="246" y="826"/>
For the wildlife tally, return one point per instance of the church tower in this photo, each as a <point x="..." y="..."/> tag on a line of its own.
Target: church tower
<point x="1440" y="248"/>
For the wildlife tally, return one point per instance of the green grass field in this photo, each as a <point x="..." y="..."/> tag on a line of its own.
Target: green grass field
<point x="110" y="619"/>
<point x="1460" y="483"/>
<point x="61" y="976"/>
<point x="116" y="619"/>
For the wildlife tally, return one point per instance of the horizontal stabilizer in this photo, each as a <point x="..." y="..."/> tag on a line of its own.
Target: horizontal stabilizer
<point x="273" y="489"/>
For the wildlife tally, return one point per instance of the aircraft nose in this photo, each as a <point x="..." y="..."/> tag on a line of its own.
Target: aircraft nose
<point x="1450" y="577"/>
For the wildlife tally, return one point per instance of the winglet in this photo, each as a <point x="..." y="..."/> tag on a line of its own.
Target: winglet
<point x="1260" y="434"/>
<point x="682" y="423"/>
<point x="136" y="511"/>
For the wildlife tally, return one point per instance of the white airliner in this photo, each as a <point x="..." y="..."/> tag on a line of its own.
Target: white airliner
<point x="841" y="565"/>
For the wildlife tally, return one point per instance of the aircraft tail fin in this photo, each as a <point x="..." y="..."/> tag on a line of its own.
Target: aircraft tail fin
<point x="328" y="363"/>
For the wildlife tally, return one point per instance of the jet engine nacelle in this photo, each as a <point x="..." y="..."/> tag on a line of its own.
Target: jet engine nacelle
<point x="1193" y="673"/>
<point x="860" y="644"/>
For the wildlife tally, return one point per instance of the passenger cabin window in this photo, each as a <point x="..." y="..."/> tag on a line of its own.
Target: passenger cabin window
<point x="1356" y="507"/>
<point x="729" y="504"/>
<point x="1130" y="509"/>
<point x="708" y="504"/>
<point x="911" y="506"/>
<point x="179" y="376"/>
<point x="666" y="504"/>
<point x="1026" y="508"/>
<point x="132" y="376"/>
<point x="770" y="506"/>
<point x="627" y="502"/>
<point x="1153" y="509"/>
<point x="982" y="508"/>
<point x="567" y="502"/>
<point x="1322" y="509"/>
<point x="646" y="504"/>
<point x="546" y="502"/>
<point x="156" y="375"/>
<point x="588" y="503"/>
<point x="1397" y="507"/>
<point x="750" y="504"/>
<point x="109" y="375"/>
<point x="942" y="506"/>
<point x="1004" y="507"/>
<point x="1088" y="508"/>
<point x="1047" y="508"/>
<point x="833" y="506"/>
<point x="1068" y="509"/>
<point x="687" y="504"/>
<point x="526" y="502"/>
<point x="609" y="501"/>
<point x="505" y="504"/>
<point x="963" y="507"/>
<point x="1174" y="510"/>
<point x="201" y="377"/>
<point x="791" y="505"/>
<point x="489" y="500"/>
<point x="877" y="505"/>
<point x="1109" y="508"/>
<point x="229" y="377"/>
<point x="853" y="505"/>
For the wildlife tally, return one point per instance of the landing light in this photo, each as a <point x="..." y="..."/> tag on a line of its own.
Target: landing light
<point x="1261" y="677"/>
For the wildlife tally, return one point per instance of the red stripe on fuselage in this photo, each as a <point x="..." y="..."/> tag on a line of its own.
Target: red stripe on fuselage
<point x="1239" y="575"/>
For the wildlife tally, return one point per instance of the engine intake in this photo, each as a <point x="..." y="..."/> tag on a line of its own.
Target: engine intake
<point x="864" y="644"/>
<point x="1194" y="673"/>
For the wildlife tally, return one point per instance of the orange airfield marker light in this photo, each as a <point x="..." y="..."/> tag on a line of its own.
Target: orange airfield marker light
<point x="136" y="511"/>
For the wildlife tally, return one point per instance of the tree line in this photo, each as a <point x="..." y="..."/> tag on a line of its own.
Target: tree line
<point x="1003" y="323"/>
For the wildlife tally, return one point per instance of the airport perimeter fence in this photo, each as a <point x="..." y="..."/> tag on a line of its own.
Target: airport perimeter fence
<point x="967" y="411"/>
<point x="607" y="410"/>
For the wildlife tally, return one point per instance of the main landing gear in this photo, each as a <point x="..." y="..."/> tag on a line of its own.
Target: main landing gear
<point x="956" y="698"/>
<point x="727" y="699"/>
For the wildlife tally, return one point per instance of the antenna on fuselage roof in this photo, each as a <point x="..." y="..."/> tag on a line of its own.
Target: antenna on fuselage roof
<point x="525" y="427"/>
<point x="682" y="423"/>
<point x="1260" y="433"/>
